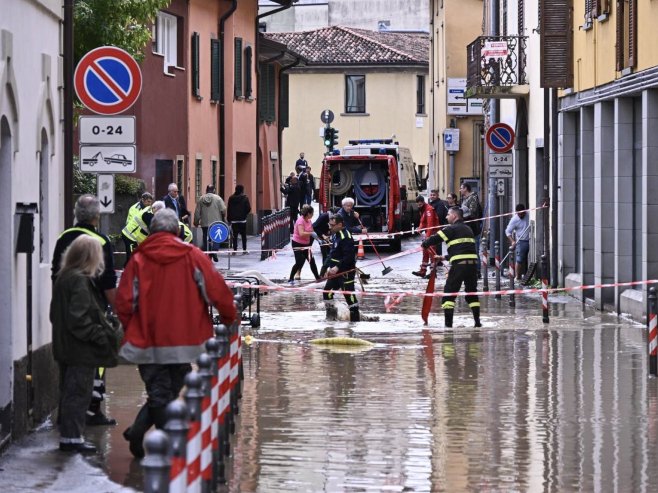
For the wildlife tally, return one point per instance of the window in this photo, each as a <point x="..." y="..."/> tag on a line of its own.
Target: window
<point x="180" y="174"/>
<point x="420" y="94"/>
<point x="237" y="68"/>
<point x="247" y="72"/>
<point x="213" y="172"/>
<point x="355" y="94"/>
<point x="196" y="90"/>
<point x="215" y="62"/>
<point x="284" y="102"/>
<point x="266" y="93"/>
<point x="166" y="34"/>
<point x="197" y="178"/>
<point x="626" y="45"/>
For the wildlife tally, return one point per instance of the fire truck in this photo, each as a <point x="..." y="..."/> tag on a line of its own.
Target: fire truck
<point x="380" y="176"/>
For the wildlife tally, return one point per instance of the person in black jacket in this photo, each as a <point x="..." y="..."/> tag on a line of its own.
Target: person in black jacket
<point x="294" y="198"/>
<point x="174" y="201"/>
<point x="321" y="228"/>
<point x="351" y="217"/>
<point x="237" y="210"/>
<point x="87" y="216"/>
<point x="463" y="263"/>
<point x="439" y="206"/>
<point x="341" y="268"/>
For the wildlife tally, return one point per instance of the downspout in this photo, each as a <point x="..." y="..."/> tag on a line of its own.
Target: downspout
<point x="256" y="54"/>
<point x="222" y="95"/>
<point x="554" y="188"/>
<point x="433" y="182"/>
<point x="68" y="113"/>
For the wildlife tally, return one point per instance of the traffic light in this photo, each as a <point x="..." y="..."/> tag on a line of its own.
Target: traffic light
<point x="334" y="137"/>
<point x="327" y="136"/>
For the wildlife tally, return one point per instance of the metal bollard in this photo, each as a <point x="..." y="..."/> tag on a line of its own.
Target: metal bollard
<point x="485" y="265"/>
<point x="653" y="333"/>
<point x="212" y="348"/>
<point x="512" y="274"/>
<point x="497" y="260"/>
<point x="156" y="462"/>
<point x="177" y="428"/>
<point x="223" y="406"/>
<point x="204" y="363"/>
<point x="193" y="397"/>
<point x="544" y="287"/>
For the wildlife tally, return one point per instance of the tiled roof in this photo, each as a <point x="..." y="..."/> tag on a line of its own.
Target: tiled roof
<point x="338" y="45"/>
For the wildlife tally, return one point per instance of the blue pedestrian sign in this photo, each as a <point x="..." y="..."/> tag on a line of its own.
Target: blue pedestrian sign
<point x="218" y="232"/>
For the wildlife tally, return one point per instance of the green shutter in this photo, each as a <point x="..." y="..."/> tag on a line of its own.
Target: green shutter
<point x="247" y="72"/>
<point x="262" y="99"/>
<point x="196" y="91"/>
<point x="271" y="93"/>
<point x="237" y="69"/>
<point x="284" y="109"/>
<point x="215" y="61"/>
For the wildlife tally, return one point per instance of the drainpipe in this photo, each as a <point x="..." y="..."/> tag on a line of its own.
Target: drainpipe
<point x="554" y="188"/>
<point x="222" y="95"/>
<point x="68" y="113"/>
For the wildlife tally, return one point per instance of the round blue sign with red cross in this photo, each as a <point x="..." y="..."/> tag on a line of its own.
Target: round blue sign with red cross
<point x="108" y="80"/>
<point x="500" y="137"/>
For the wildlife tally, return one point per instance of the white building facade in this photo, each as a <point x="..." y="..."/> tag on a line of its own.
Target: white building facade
<point x="31" y="188"/>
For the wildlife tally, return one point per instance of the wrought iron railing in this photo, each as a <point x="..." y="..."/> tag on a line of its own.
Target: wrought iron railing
<point x="495" y="65"/>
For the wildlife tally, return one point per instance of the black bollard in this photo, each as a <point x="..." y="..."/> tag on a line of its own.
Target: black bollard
<point x="512" y="275"/>
<point x="485" y="263"/>
<point x="212" y="348"/>
<point x="544" y="285"/>
<point x="498" y="267"/>
<point x="653" y="333"/>
<point x="222" y="336"/>
<point x="205" y="366"/>
<point x="177" y="428"/>
<point x="193" y="397"/>
<point x="156" y="462"/>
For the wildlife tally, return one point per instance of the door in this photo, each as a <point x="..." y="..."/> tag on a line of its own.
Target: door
<point x="164" y="175"/>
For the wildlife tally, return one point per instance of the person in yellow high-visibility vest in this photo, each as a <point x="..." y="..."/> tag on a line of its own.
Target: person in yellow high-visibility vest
<point x="136" y="209"/>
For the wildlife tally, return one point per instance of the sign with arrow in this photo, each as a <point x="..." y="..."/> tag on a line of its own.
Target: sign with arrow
<point x="106" y="193"/>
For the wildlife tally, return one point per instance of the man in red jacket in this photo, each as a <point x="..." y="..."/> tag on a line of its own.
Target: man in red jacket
<point x="162" y="302"/>
<point x="429" y="223"/>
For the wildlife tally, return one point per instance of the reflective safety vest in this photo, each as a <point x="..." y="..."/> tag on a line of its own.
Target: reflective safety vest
<point x="87" y="232"/>
<point x="185" y="234"/>
<point x="136" y="229"/>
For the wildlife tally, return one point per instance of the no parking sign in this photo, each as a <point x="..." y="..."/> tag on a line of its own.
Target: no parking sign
<point x="108" y="80"/>
<point x="500" y="137"/>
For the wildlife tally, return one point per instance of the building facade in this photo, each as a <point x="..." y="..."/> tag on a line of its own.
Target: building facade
<point x="31" y="215"/>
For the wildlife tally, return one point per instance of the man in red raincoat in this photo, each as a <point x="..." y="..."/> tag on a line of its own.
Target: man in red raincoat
<point x="429" y="223"/>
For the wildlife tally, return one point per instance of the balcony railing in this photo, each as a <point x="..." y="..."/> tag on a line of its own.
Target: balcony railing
<point x="497" y="67"/>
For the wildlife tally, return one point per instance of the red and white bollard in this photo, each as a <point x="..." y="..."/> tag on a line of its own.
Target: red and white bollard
<point x="212" y="348"/>
<point x="193" y="398"/>
<point x="544" y="287"/>
<point x="223" y="364"/>
<point x="512" y="274"/>
<point x="205" y="371"/>
<point x="653" y="334"/>
<point x="485" y="263"/>
<point x="497" y="262"/>
<point x="177" y="428"/>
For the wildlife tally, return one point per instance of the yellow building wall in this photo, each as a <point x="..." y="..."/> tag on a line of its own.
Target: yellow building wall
<point x="595" y="48"/>
<point x="390" y="105"/>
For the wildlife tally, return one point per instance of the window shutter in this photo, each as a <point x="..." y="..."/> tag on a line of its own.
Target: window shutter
<point x="196" y="91"/>
<point x="556" y="43"/>
<point x="237" y="68"/>
<point x="247" y="72"/>
<point x="604" y="6"/>
<point x="619" y="36"/>
<point x="271" y="93"/>
<point x="589" y="9"/>
<point x="632" y="33"/>
<point x="262" y="97"/>
<point x="284" y="108"/>
<point x="520" y="8"/>
<point x="215" y="62"/>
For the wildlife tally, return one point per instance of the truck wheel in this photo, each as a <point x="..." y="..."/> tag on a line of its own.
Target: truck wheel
<point x="255" y="320"/>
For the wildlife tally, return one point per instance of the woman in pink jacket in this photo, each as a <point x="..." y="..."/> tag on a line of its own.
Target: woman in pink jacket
<point x="302" y="238"/>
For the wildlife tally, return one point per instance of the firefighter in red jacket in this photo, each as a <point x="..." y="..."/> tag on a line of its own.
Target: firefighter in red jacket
<point x="429" y="223"/>
<point x="162" y="302"/>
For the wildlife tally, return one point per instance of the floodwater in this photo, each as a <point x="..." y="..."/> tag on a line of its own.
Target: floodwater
<point x="514" y="406"/>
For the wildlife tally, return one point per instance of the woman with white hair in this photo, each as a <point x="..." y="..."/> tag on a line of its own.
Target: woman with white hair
<point x="83" y="337"/>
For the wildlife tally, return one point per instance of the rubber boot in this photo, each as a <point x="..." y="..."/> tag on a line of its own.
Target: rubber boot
<point x="332" y="311"/>
<point x="135" y="433"/>
<point x="354" y="314"/>
<point x="476" y="316"/>
<point x="447" y="316"/>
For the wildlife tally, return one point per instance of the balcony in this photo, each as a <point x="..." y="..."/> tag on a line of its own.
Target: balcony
<point x="497" y="67"/>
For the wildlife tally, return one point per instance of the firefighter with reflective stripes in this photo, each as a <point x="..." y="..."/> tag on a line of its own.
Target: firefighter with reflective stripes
<point x="341" y="269"/>
<point x="136" y="209"/>
<point x="463" y="263"/>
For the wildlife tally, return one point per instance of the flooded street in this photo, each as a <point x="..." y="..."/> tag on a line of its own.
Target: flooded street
<point x="515" y="405"/>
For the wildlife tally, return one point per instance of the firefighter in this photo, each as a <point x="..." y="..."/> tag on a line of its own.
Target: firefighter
<point x="128" y="240"/>
<point x="341" y="269"/>
<point x="463" y="259"/>
<point x="429" y="223"/>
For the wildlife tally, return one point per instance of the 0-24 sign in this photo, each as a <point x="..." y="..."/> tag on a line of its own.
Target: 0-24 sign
<point x="107" y="129"/>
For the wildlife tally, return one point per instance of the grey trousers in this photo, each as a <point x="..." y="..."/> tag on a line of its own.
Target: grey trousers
<point x="75" y="384"/>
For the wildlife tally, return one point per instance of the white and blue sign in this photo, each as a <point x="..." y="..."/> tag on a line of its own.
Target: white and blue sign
<point x="218" y="232"/>
<point x="108" y="80"/>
